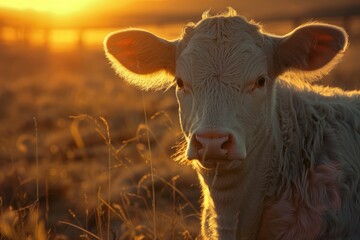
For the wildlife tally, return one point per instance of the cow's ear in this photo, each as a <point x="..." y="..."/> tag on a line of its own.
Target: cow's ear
<point x="313" y="49"/>
<point x="142" y="58"/>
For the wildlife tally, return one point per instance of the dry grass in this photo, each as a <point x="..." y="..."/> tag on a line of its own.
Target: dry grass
<point x="75" y="144"/>
<point x="78" y="158"/>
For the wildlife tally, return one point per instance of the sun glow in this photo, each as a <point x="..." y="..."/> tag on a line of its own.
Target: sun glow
<point x="53" y="6"/>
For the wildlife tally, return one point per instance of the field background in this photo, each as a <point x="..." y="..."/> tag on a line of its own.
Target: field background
<point x="82" y="154"/>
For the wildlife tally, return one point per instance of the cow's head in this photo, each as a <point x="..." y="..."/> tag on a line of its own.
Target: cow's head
<point x="224" y="69"/>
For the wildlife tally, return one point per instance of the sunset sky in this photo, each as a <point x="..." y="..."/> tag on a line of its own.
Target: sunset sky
<point x="163" y="6"/>
<point x="64" y="15"/>
<point x="54" y="6"/>
<point x="124" y="12"/>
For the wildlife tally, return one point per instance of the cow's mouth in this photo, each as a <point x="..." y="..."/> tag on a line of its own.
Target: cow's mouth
<point x="219" y="164"/>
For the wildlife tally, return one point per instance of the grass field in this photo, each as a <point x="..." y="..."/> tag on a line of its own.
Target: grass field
<point x="74" y="143"/>
<point x="83" y="155"/>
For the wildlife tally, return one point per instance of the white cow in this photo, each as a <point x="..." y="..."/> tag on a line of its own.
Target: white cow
<point x="276" y="158"/>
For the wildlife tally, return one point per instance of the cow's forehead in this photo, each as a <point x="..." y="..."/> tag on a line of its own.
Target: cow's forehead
<point x="225" y="48"/>
<point x="223" y="29"/>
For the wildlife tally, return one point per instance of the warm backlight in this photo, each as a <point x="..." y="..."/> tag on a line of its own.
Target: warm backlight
<point x="66" y="27"/>
<point x="53" y="6"/>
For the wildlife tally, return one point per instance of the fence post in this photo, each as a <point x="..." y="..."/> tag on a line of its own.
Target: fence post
<point x="80" y="39"/>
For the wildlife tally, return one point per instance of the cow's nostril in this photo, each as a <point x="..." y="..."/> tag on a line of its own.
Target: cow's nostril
<point x="227" y="145"/>
<point x="197" y="144"/>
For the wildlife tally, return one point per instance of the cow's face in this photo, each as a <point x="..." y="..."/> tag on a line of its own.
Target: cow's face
<point x="223" y="89"/>
<point x="224" y="69"/>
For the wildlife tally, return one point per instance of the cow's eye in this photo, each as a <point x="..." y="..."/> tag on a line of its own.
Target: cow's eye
<point x="179" y="83"/>
<point x="260" y="82"/>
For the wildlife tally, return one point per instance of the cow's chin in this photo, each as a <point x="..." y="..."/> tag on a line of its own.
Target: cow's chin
<point x="217" y="165"/>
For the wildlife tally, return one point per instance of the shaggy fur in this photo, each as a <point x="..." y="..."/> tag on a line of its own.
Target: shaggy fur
<point x="291" y="169"/>
<point x="316" y="195"/>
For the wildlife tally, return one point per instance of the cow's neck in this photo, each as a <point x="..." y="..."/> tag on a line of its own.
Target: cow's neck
<point x="236" y="196"/>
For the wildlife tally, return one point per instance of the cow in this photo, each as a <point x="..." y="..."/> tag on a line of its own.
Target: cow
<point x="277" y="156"/>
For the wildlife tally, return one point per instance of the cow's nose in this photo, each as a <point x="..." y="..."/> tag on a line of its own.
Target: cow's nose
<point x="211" y="143"/>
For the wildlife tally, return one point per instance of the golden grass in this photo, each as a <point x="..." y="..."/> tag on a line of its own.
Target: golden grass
<point x="75" y="154"/>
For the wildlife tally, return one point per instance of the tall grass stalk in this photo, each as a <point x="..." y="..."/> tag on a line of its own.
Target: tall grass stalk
<point x="37" y="177"/>
<point x="151" y="168"/>
<point x="108" y="143"/>
<point x="81" y="229"/>
<point x="109" y="183"/>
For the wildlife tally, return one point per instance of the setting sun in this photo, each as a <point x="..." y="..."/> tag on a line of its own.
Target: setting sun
<point x="53" y="6"/>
